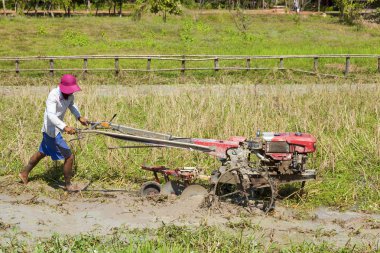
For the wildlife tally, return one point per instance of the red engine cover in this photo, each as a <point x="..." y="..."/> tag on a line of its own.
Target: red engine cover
<point x="302" y="142"/>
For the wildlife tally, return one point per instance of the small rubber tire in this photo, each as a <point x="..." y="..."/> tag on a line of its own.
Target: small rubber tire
<point x="150" y="188"/>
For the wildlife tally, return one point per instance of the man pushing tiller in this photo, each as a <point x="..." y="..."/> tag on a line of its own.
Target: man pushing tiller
<point x="53" y="144"/>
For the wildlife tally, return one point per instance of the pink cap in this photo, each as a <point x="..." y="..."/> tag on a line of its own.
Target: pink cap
<point x="68" y="84"/>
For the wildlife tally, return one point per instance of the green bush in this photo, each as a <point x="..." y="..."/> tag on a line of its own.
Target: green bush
<point x="376" y="16"/>
<point x="75" y="39"/>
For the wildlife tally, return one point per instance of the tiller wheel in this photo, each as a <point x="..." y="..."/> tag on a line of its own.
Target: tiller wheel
<point x="239" y="188"/>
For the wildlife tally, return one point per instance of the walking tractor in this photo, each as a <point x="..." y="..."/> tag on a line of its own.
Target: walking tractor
<point x="250" y="169"/>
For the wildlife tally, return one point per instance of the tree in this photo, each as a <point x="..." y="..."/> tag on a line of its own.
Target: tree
<point x="66" y="6"/>
<point x="4" y="8"/>
<point x="350" y="9"/>
<point x="165" y="6"/>
<point x="139" y="8"/>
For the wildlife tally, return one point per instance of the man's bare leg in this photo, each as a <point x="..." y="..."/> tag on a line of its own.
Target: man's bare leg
<point x="67" y="172"/>
<point x="33" y="161"/>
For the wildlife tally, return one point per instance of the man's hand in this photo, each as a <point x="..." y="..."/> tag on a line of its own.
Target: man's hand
<point x="84" y="121"/>
<point x="69" y="130"/>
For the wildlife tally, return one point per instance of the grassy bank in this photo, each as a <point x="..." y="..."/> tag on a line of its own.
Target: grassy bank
<point x="345" y="121"/>
<point x="189" y="34"/>
<point x="192" y="33"/>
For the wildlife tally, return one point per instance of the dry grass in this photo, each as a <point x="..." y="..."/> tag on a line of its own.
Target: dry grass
<point x="344" y="118"/>
<point x="202" y="78"/>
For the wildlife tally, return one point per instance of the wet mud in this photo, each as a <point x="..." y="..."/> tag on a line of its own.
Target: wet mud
<point x="38" y="210"/>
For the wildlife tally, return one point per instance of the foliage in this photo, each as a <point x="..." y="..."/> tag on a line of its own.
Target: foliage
<point x="376" y="16"/>
<point x="186" y="31"/>
<point x="42" y="30"/>
<point x="350" y="9"/>
<point x="72" y="38"/>
<point x="139" y="8"/>
<point x="98" y="4"/>
<point x="21" y="6"/>
<point x="242" y="21"/>
<point x="189" y="3"/>
<point x="165" y="7"/>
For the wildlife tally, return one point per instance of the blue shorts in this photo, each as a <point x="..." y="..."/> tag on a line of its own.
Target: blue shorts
<point x="56" y="147"/>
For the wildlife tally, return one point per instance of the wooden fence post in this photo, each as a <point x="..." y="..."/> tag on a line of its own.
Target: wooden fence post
<point x="183" y="65"/>
<point x="347" y="69"/>
<point x="148" y="64"/>
<point x="51" y="61"/>
<point x="17" y="67"/>
<point x="248" y="63"/>
<point x="315" y="66"/>
<point x="117" y="69"/>
<point x="281" y="66"/>
<point x="216" y="64"/>
<point x="85" y="61"/>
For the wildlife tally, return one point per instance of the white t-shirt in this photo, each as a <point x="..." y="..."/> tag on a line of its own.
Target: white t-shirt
<point x="56" y="106"/>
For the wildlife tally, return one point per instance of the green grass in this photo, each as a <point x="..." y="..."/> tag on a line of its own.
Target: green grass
<point x="174" y="239"/>
<point x="192" y="33"/>
<point x="189" y="34"/>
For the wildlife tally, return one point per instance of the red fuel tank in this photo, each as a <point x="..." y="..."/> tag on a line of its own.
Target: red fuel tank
<point x="300" y="142"/>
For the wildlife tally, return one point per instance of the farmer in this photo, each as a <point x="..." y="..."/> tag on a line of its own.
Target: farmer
<point x="53" y="144"/>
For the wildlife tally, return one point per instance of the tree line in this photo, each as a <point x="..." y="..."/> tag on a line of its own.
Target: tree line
<point x="348" y="9"/>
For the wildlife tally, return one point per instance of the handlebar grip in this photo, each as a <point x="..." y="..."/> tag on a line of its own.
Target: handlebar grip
<point x="105" y="124"/>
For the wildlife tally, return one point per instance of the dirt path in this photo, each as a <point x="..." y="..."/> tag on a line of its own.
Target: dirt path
<point x="38" y="211"/>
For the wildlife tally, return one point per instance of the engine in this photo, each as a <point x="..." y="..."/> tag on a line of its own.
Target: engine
<point x="285" y="153"/>
<point x="279" y="153"/>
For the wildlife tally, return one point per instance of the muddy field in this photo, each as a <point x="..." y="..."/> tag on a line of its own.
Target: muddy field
<point x="38" y="210"/>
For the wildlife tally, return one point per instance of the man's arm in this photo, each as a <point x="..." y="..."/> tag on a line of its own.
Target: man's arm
<point x="75" y="111"/>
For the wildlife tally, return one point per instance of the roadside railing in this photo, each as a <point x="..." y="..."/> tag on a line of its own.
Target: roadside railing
<point x="181" y="63"/>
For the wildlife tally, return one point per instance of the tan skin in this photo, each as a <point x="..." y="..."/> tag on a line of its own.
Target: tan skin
<point x="67" y="165"/>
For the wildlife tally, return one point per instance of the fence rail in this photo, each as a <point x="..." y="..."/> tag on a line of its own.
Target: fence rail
<point x="215" y="62"/>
